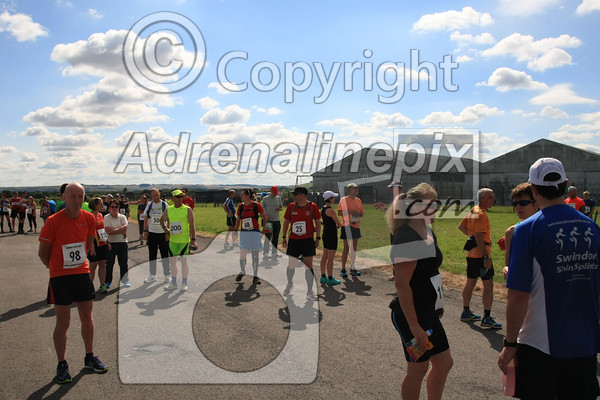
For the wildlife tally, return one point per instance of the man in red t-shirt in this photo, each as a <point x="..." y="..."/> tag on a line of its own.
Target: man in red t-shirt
<point x="299" y="216"/>
<point x="65" y="240"/>
<point x="187" y="200"/>
<point x="574" y="201"/>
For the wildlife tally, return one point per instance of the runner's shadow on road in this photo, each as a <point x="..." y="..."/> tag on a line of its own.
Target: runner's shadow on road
<point x="356" y="286"/>
<point x="163" y="302"/>
<point x="18" y="312"/>
<point x="305" y="315"/>
<point x="494" y="336"/>
<point x="62" y="389"/>
<point x="239" y="296"/>
<point x="140" y="292"/>
<point x="332" y="297"/>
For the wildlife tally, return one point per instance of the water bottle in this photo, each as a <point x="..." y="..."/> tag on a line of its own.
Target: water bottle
<point x="508" y="380"/>
<point x="415" y="350"/>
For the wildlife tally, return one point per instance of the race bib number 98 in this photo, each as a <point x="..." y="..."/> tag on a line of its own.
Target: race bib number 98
<point x="73" y="255"/>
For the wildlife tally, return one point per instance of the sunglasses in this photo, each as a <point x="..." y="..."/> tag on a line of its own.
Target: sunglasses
<point x="113" y="207"/>
<point x="180" y="197"/>
<point x="522" y="203"/>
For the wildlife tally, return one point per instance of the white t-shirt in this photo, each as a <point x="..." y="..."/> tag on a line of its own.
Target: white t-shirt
<point x="110" y="222"/>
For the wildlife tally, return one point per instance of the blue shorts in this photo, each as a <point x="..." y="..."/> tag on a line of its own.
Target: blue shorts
<point x="250" y="240"/>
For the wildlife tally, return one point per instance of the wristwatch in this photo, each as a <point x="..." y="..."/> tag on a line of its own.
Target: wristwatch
<point x="509" y="344"/>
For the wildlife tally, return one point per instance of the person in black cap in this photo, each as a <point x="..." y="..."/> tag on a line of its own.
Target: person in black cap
<point x="299" y="216"/>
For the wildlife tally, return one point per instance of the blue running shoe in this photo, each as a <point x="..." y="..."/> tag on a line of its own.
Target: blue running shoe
<point x="489" y="323"/>
<point x="95" y="364"/>
<point x="62" y="373"/>
<point x="344" y="274"/>
<point x="333" y="282"/>
<point x="354" y="272"/>
<point x="469" y="316"/>
<point x="323" y="279"/>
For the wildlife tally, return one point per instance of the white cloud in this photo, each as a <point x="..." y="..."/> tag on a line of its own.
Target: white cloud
<point x="207" y="103"/>
<point x="268" y="111"/>
<point x="65" y="3"/>
<point x="469" y="116"/>
<point x="560" y="95"/>
<point x="8" y="149"/>
<point x="21" y="26"/>
<point x="229" y="115"/>
<point x="562" y="136"/>
<point x="464" y="39"/>
<point x="586" y="130"/>
<point x="95" y="14"/>
<point x="540" y="55"/>
<point x="524" y="8"/>
<point x="553" y="112"/>
<point x="28" y="157"/>
<point x="379" y="124"/>
<point x="588" y="147"/>
<point x="588" y="6"/>
<point x="224" y="88"/>
<point x="523" y="114"/>
<point x="491" y="145"/>
<point x="452" y="20"/>
<point x="463" y="59"/>
<point x="505" y="79"/>
<point x="156" y="136"/>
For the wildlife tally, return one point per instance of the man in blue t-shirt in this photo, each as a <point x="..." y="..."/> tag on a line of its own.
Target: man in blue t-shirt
<point x="553" y="306"/>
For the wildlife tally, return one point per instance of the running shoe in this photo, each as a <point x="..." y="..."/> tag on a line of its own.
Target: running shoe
<point x="103" y="289"/>
<point x="62" y="373"/>
<point x="126" y="284"/>
<point x="288" y="289"/>
<point x="354" y="272"/>
<point x="333" y="282"/>
<point x="167" y="278"/>
<point x="344" y="274"/>
<point x="256" y="281"/>
<point x="151" y="278"/>
<point x="310" y="295"/>
<point x="240" y="276"/>
<point x="94" y="363"/>
<point x="323" y="279"/>
<point x="107" y="284"/>
<point x="171" y="286"/>
<point x="184" y="287"/>
<point x="469" y="316"/>
<point x="489" y="323"/>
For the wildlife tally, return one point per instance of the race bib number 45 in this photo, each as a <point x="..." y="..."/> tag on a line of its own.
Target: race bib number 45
<point x="73" y="255"/>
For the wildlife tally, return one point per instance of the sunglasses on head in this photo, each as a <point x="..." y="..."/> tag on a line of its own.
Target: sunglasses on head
<point x="522" y="203"/>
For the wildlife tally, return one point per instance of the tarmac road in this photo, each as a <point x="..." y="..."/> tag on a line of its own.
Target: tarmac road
<point x="161" y="344"/>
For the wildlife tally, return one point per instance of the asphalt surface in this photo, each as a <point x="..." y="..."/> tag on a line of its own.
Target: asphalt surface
<point x="226" y="340"/>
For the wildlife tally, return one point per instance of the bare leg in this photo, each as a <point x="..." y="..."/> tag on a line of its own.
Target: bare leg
<point x="467" y="292"/>
<point x="436" y="379"/>
<point x="411" y="386"/>
<point x="87" y="324"/>
<point x="488" y="294"/>
<point x="63" y="319"/>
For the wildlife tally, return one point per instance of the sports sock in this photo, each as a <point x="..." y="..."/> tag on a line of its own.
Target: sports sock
<point x="255" y="262"/>
<point x="243" y="266"/>
<point x="487" y="313"/>
<point x="466" y="309"/>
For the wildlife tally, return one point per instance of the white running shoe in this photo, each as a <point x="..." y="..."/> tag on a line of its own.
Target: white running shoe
<point x="151" y="278"/>
<point x="167" y="278"/>
<point x="170" y="287"/>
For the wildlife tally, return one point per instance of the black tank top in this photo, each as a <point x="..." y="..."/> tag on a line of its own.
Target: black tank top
<point x="328" y="222"/>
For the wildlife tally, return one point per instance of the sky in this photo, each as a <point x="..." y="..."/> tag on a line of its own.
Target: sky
<point x="80" y="78"/>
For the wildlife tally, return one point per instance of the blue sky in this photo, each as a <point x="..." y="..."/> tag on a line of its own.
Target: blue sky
<point x="525" y="70"/>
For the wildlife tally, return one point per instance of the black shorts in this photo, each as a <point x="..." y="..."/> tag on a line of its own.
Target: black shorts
<point x="22" y="214"/>
<point x="14" y="213"/>
<point x="101" y="254"/>
<point x="437" y="338"/>
<point x="475" y="269"/>
<point x="72" y="288"/>
<point x="541" y="376"/>
<point x="301" y="247"/>
<point x="350" y="232"/>
<point x="231" y="220"/>
<point x="330" y="240"/>
<point x="4" y="213"/>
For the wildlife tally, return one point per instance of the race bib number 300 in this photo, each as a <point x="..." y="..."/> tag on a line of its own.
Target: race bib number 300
<point x="73" y="255"/>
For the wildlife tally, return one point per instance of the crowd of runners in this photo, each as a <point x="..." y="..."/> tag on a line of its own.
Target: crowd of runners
<point x="81" y="236"/>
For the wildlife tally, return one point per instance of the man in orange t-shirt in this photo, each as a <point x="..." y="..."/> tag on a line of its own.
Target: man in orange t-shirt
<point x="479" y="263"/>
<point x="574" y="201"/>
<point x="65" y="240"/>
<point x="351" y="210"/>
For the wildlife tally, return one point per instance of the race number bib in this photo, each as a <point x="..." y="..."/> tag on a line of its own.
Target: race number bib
<point x="299" y="228"/>
<point x="5" y="209"/>
<point x="141" y="216"/>
<point x="122" y="211"/>
<point x="73" y="255"/>
<point x="102" y="235"/>
<point x="105" y="207"/>
<point x="436" y="282"/>
<point x="587" y="209"/>
<point x="354" y="219"/>
<point x="572" y="205"/>
<point x="247" y="224"/>
<point x="176" y="227"/>
<point x="30" y="209"/>
<point x="155" y="220"/>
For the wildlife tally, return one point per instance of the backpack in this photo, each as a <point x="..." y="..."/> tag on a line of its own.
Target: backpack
<point x="163" y="205"/>
<point x="309" y="209"/>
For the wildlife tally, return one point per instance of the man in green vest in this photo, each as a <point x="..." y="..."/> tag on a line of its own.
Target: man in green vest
<point x="179" y="227"/>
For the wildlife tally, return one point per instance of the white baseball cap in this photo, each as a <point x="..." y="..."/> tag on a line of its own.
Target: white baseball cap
<point x="544" y="166"/>
<point x="329" y="194"/>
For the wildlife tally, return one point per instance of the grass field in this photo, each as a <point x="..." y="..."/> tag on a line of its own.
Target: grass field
<point x="210" y="220"/>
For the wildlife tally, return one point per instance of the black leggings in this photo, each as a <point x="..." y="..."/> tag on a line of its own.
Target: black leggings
<point x="32" y="221"/>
